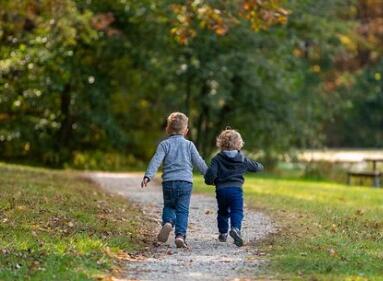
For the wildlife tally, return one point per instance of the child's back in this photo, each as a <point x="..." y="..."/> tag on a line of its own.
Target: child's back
<point x="228" y="167"/>
<point x="177" y="155"/>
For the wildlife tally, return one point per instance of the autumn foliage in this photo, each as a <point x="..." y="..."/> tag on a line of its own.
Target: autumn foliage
<point x="199" y="14"/>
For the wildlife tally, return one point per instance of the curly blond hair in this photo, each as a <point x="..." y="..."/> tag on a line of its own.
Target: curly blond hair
<point x="229" y="139"/>
<point x="177" y="123"/>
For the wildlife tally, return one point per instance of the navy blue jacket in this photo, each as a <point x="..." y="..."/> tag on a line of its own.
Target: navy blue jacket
<point x="225" y="171"/>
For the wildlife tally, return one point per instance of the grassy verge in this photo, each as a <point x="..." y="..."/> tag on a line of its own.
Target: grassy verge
<point x="56" y="226"/>
<point x="327" y="231"/>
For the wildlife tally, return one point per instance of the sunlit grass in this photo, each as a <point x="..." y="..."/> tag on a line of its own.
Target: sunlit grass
<point x="328" y="231"/>
<point x="56" y="226"/>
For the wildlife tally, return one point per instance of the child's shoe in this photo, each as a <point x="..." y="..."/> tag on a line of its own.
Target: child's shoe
<point x="236" y="235"/>
<point x="222" y="237"/>
<point x="180" y="241"/>
<point x="163" y="235"/>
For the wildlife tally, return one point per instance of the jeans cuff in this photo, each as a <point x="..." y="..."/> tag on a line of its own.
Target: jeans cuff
<point x="181" y="234"/>
<point x="171" y="222"/>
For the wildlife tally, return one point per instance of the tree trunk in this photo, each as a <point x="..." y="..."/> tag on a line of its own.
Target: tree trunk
<point x="188" y="85"/>
<point x="202" y="119"/>
<point x="188" y="80"/>
<point x="65" y="131"/>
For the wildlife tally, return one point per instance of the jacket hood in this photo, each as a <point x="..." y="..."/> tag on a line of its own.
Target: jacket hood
<point x="239" y="158"/>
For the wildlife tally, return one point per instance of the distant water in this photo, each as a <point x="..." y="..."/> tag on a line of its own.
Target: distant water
<point x="340" y="155"/>
<point x="352" y="159"/>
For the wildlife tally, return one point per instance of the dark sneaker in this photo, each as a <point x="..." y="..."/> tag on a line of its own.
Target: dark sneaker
<point x="180" y="242"/>
<point x="222" y="237"/>
<point x="236" y="235"/>
<point x="163" y="235"/>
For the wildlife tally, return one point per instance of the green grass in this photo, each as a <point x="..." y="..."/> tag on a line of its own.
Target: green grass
<point x="328" y="231"/>
<point x="57" y="226"/>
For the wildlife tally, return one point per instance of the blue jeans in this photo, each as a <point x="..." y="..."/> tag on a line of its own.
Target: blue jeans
<point x="230" y="205"/>
<point x="176" y="204"/>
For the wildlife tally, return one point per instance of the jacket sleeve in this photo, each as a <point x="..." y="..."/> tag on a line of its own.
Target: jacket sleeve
<point x="155" y="162"/>
<point x="197" y="160"/>
<point x="211" y="173"/>
<point x="253" y="166"/>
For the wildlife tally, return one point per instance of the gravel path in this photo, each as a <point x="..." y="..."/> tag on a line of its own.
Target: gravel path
<point x="207" y="259"/>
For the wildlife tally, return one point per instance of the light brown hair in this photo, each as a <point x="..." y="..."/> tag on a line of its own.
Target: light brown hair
<point x="229" y="139"/>
<point x="177" y="123"/>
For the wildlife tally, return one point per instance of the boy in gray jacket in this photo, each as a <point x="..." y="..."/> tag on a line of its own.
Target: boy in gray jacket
<point x="177" y="156"/>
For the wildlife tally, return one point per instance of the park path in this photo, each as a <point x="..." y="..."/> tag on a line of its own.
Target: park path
<point x="207" y="259"/>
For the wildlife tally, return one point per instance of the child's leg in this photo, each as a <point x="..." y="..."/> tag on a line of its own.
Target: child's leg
<point x="236" y="207"/>
<point x="223" y="211"/>
<point x="168" y="211"/>
<point x="184" y="190"/>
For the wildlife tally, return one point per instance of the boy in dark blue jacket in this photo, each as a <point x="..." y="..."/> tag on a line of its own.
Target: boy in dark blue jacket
<point x="226" y="173"/>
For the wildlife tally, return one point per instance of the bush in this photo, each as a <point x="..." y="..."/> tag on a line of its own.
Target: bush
<point x="98" y="160"/>
<point x="325" y="171"/>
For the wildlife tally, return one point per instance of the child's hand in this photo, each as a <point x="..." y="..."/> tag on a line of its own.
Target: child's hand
<point x="144" y="182"/>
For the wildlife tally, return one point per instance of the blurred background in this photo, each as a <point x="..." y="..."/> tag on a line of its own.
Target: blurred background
<point x="88" y="84"/>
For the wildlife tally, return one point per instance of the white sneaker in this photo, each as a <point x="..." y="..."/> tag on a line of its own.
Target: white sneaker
<point x="236" y="235"/>
<point x="163" y="235"/>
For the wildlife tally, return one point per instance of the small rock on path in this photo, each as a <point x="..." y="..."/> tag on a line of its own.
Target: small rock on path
<point x="208" y="259"/>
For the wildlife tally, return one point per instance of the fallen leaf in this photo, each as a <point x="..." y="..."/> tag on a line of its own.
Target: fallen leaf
<point x="359" y="212"/>
<point x="332" y="252"/>
<point x="169" y="252"/>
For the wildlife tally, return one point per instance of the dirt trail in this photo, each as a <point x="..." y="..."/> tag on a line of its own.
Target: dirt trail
<point x="207" y="259"/>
